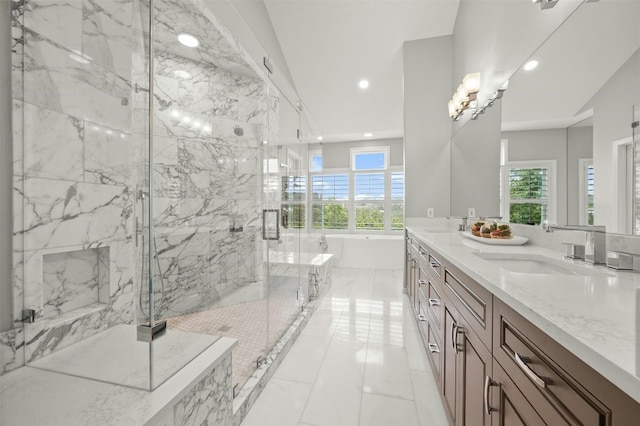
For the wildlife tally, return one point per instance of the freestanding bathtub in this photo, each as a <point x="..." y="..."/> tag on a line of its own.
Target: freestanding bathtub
<point x="366" y="251"/>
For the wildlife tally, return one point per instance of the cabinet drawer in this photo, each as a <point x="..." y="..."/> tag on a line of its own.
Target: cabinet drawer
<point x="557" y="396"/>
<point x="434" y="302"/>
<point x="435" y="266"/>
<point x="510" y="406"/>
<point x="474" y="302"/>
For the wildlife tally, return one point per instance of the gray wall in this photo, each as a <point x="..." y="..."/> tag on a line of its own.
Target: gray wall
<point x="612" y="106"/>
<point x="337" y="154"/>
<point x="580" y="145"/>
<point x="427" y="67"/>
<point x="548" y="144"/>
<point x="6" y="160"/>
<point x="475" y="165"/>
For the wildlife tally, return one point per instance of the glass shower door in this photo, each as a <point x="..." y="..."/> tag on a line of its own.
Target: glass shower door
<point x="282" y="216"/>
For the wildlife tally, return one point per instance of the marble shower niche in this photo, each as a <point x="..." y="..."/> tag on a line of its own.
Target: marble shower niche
<point x="73" y="280"/>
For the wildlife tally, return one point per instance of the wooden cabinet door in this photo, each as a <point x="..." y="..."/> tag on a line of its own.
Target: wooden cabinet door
<point x="509" y="406"/>
<point x="449" y="365"/>
<point x="475" y="364"/>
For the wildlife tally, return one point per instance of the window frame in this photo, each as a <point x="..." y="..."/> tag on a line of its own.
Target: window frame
<point x="550" y="165"/>
<point x="369" y="150"/>
<point x="583" y="195"/>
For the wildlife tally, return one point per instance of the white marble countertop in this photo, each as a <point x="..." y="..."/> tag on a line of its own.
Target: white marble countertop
<point x="597" y="318"/>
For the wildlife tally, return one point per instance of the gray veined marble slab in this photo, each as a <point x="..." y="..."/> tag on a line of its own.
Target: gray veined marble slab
<point x="58" y="20"/>
<point x="17" y="49"/>
<point x="53" y="144"/>
<point x="60" y="213"/>
<point x="116" y="356"/>
<point x="107" y="155"/>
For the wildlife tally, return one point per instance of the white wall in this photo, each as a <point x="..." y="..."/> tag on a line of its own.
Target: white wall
<point x="612" y="116"/>
<point x="495" y="37"/>
<point x="548" y="144"/>
<point x="580" y="145"/>
<point x="475" y="165"/>
<point x="427" y="127"/>
<point x="338" y="154"/>
<point x="6" y="167"/>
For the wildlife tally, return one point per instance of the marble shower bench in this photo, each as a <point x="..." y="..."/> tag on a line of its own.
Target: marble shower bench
<point x="198" y="392"/>
<point x="315" y="267"/>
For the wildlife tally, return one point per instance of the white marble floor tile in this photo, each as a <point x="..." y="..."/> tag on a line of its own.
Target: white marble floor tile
<point x="387" y="372"/>
<point x="416" y="352"/>
<point x="378" y="410"/>
<point x="303" y="361"/>
<point x="347" y="349"/>
<point x="290" y="396"/>
<point x="428" y="402"/>
<point x="335" y="398"/>
<point x="322" y="324"/>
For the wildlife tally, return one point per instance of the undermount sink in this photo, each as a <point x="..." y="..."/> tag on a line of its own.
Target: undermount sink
<point x="538" y="264"/>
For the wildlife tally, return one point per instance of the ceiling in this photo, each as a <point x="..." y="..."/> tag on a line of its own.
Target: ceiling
<point x="574" y="63"/>
<point x="330" y="45"/>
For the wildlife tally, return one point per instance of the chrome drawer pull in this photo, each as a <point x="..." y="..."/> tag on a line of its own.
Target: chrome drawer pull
<point x="454" y="337"/>
<point x="434" y="265"/>
<point x="433" y="348"/>
<point x="422" y="317"/>
<point x="434" y="302"/>
<point x="522" y="363"/>
<point x="422" y="282"/>
<point x="487" y="384"/>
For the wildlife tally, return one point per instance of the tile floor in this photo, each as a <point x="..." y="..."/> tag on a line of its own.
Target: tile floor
<point x="257" y="325"/>
<point x="359" y="361"/>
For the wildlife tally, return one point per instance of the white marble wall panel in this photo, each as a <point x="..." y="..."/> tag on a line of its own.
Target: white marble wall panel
<point x="251" y="109"/>
<point x="57" y="20"/>
<point x="165" y="151"/>
<point x="52" y="79"/>
<point x="107" y="155"/>
<point x="11" y="350"/>
<point x="182" y="242"/>
<point x="17" y="48"/>
<point x="70" y="281"/>
<point x="59" y="213"/>
<point x="210" y="402"/>
<point x="18" y="147"/>
<point x="53" y="144"/>
<point x="108" y="35"/>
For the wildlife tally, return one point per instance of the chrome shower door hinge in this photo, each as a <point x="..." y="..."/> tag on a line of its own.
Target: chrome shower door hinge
<point x="147" y="333"/>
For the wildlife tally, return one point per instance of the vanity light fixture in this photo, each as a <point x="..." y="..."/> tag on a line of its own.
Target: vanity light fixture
<point x="546" y="4"/>
<point x="489" y="103"/>
<point x="188" y="40"/>
<point x="465" y="95"/>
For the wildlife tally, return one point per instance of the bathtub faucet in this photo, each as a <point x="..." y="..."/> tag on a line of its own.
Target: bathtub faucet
<point x="323" y="244"/>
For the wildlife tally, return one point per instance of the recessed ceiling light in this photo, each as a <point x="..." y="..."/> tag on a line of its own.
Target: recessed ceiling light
<point x="188" y="40"/>
<point x="182" y="74"/>
<point x="319" y="138"/>
<point x="530" y="65"/>
<point x="363" y="84"/>
<point x="368" y="135"/>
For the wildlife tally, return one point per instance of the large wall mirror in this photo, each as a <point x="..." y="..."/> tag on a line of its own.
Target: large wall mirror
<point x="565" y="150"/>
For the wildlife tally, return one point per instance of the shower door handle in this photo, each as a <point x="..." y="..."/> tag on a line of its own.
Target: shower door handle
<point x="270" y="224"/>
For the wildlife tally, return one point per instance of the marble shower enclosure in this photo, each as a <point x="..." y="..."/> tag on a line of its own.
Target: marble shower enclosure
<point x="207" y="172"/>
<point x="73" y="171"/>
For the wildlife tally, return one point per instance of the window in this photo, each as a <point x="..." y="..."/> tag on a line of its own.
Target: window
<point x="369" y="201"/>
<point x="294" y="193"/>
<point x="330" y="201"/>
<point x="527" y="192"/>
<point x="369" y="158"/>
<point x="586" y="182"/>
<point x="369" y="196"/>
<point x="397" y="201"/>
<point x="315" y="161"/>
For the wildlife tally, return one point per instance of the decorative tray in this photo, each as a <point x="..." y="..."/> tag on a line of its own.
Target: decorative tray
<point x="515" y="241"/>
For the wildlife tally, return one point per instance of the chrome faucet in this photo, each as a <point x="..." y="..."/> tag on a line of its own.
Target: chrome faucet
<point x="463" y="224"/>
<point x="596" y="245"/>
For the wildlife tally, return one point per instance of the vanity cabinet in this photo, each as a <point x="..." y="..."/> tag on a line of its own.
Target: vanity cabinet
<point x="492" y="366"/>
